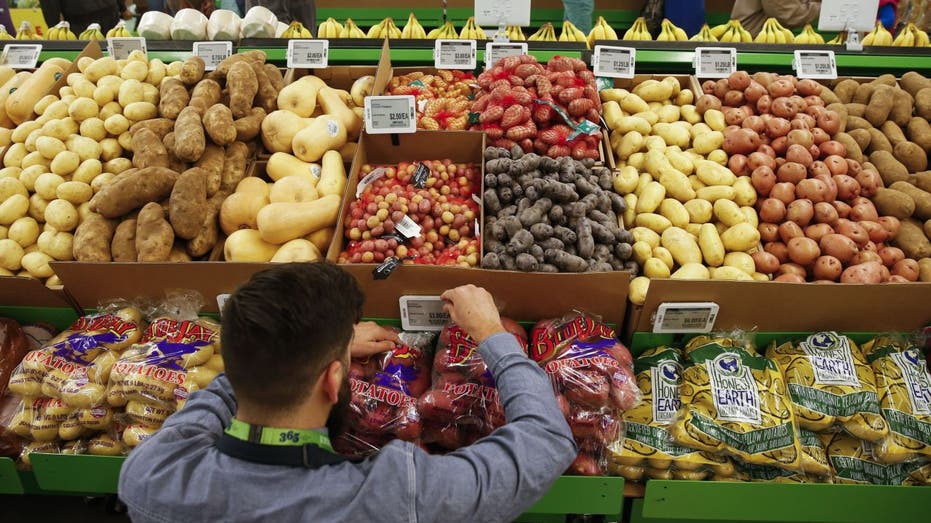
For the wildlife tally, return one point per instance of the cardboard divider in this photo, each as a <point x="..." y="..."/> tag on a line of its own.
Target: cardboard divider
<point x="17" y="291"/>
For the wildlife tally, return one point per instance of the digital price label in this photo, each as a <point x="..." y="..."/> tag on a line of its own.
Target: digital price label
<point x="614" y="62"/>
<point x="495" y="51"/>
<point x="308" y="54"/>
<point x="213" y="53"/>
<point x="685" y="317"/>
<point x="454" y="54"/>
<point x="21" y="56"/>
<point x="390" y="114"/>
<point x="422" y="313"/>
<point x="119" y="48"/>
<point x="715" y="62"/>
<point x="816" y="65"/>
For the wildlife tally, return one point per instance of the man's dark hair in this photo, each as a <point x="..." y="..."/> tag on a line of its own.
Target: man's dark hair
<point x="283" y="327"/>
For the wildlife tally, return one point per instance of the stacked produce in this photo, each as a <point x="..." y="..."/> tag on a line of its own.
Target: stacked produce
<point x="774" y="33"/>
<point x="443" y="99"/>
<point x="593" y="380"/>
<point x="570" y="33"/>
<point x="423" y="211"/>
<point x="552" y="215"/>
<point x="191" y="24"/>
<point x="552" y="110"/>
<point x="15" y="342"/>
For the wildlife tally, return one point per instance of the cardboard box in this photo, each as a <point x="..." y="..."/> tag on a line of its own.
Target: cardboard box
<point x="28" y="292"/>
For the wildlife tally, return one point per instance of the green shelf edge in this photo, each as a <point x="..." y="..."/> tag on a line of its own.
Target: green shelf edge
<point x="59" y="317"/>
<point x="80" y="474"/>
<point x="647" y="340"/>
<point x="10" y="482"/>
<point x="581" y="495"/>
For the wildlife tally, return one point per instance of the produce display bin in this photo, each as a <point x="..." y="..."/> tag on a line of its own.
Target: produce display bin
<point x="77" y="474"/>
<point x="10" y="482"/>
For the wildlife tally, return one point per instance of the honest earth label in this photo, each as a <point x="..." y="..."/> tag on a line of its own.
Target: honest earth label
<point x="308" y="54"/>
<point x="614" y="62"/>
<point x="390" y="114"/>
<point x="213" y="53"/>
<point x="119" y="48"/>
<point x="454" y="54"/>
<point x="656" y="438"/>
<point x="917" y="380"/>
<point x="715" y="62"/>
<point x="422" y="313"/>
<point x="666" y="391"/>
<point x="20" y="56"/>
<point x="831" y="359"/>
<point x="817" y="65"/>
<point x="753" y="442"/>
<point x="834" y="404"/>
<point x="495" y="51"/>
<point x="736" y="397"/>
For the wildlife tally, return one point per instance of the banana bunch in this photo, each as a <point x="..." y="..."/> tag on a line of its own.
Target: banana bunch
<point x="571" y="33"/>
<point x="516" y="34"/>
<point x="704" y="35"/>
<point x="443" y="32"/>
<point x="732" y="31"/>
<point x="119" y="31"/>
<point x="92" y="32"/>
<point x="62" y="31"/>
<point x="26" y="32"/>
<point x="546" y="33"/>
<point x="471" y="31"/>
<point x="3" y="34"/>
<point x="840" y="39"/>
<point x="351" y="30"/>
<point x="878" y="36"/>
<point x="911" y="36"/>
<point x="671" y="33"/>
<point x="601" y="31"/>
<point x="384" y="29"/>
<point x="774" y="33"/>
<point x="638" y="31"/>
<point x="296" y="30"/>
<point x="330" y="29"/>
<point x="413" y="29"/>
<point x="810" y="36"/>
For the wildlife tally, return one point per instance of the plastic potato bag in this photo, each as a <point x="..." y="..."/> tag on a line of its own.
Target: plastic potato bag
<point x="854" y="462"/>
<point x="462" y="404"/>
<point x="831" y="385"/>
<point x="385" y="389"/>
<point x="904" y="386"/>
<point x="815" y="466"/>
<point x="735" y="402"/>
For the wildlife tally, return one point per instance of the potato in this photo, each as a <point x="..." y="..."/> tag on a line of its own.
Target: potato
<point x="729" y="273"/>
<point x="37" y="206"/>
<point x="154" y="235"/>
<point x="740" y="237"/>
<point x="24" y="231"/>
<point x="922" y="199"/>
<point x="741" y="261"/>
<point x="11" y="255"/>
<point x="34" y="158"/>
<point x="110" y="148"/>
<point x="745" y="193"/>
<point x="894" y="203"/>
<point x="912" y="240"/>
<point x="675" y="212"/>
<point x="881" y="101"/>
<point x="728" y="213"/>
<point x="638" y="290"/>
<point x="85" y="148"/>
<point x="711" y="173"/>
<point x="646" y="235"/>
<point x="209" y="234"/>
<point x="641" y="252"/>
<point x="218" y="122"/>
<point x="911" y="155"/>
<point x="139" y="111"/>
<point x="700" y="211"/>
<point x="130" y="92"/>
<point x="709" y="241"/>
<point x="249" y="126"/>
<point x="116" y="124"/>
<point x="74" y="192"/>
<point x="924" y="270"/>
<point x="677" y="185"/>
<point x="13" y="208"/>
<point x="707" y="143"/>
<point x="61" y="215"/>
<point x="189" y="135"/>
<point x="890" y="169"/>
<point x="681" y="245"/>
<point x="37" y="263"/>
<point x="192" y="70"/>
<point x="691" y="271"/>
<point x="148" y="150"/>
<point x="187" y="207"/>
<point x="650" y="197"/>
<point x="655" y="268"/>
<point x="123" y="245"/>
<point x="132" y="190"/>
<point x="713" y="193"/>
<point x="656" y="222"/>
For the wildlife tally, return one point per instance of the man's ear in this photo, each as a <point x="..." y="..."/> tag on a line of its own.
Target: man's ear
<point x="333" y="380"/>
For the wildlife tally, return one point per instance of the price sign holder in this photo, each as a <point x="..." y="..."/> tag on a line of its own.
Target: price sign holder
<point x="614" y="62"/>
<point x="454" y="54"/>
<point x="853" y="16"/>
<point x="501" y="13"/>
<point x="495" y="51"/>
<point x="120" y="47"/>
<point x="816" y="65"/>
<point x="422" y="313"/>
<point x="685" y="317"/>
<point x="715" y="62"/>
<point x="308" y="54"/>
<point x="390" y="114"/>
<point x="213" y="53"/>
<point x="21" y="56"/>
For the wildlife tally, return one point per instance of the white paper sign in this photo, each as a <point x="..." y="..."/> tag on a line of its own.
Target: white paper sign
<point x="495" y="51"/>
<point x="685" y="317"/>
<point x="502" y="12"/>
<point x="21" y="56"/>
<point x="817" y="65"/>
<point x="841" y="15"/>
<point x="119" y="48"/>
<point x="454" y="54"/>
<point x="408" y="228"/>
<point x="390" y="114"/>
<point x="715" y="62"/>
<point x="422" y="313"/>
<point x="614" y="62"/>
<point x="213" y="53"/>
<point x="308" y="54"/>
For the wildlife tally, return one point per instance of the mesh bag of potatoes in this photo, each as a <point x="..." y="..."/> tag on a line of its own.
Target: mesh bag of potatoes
<point x="647" y="451"/>
<point x="854" y="461"/>
<point x="735" y="402"/>
<point x="831" y="385"/>
<point x="904" y="386"/>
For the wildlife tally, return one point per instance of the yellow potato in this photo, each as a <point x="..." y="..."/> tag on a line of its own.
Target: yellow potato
<point x="712" y="248"/>
<point x="130" y="92"/>
<point x="681" y="245"/>
<point x="728" y="213"/>
<point x="636" y="160"/>
<point x="699" y="210"/>
<point x="65" y="163"/>
<point x="24" y="231"/>
<point x="715" y="119"/>
<point x="742" y="261"/>
<point x="717" y="156"/>
<point x="668" y="113"/>
<point x="117" y="165"/>
<point x="655" y="268"/>
<point x="629" y="124"/>
<point x="109" y="110"/>
<point x="46" y="185"/>
<point x="11" y="255"/>
<point x="646" y="235"/>
<point x="631" y="143"/>
<point x="711" y="173"/>
<point x="37" y="206"/>
<point x="625" y="180"/>
<point x="117" y="124"/>
<point x="677" y="185"/>
<point x="675" y="212"/>
<point x="650" y="197"/>
<point x="139" y="111"/>
<point x="13" y="208"/>
<point x="126" y="141"/>
<point x="638" y="289"/>
<point x="34" y="158"/>
<point x="630" y="213"/>
<point x="691" y="271"/>
<point x="713" y="193"/>
<point x="61" y="215"/>
<point x="83" y="108"/>
<point x="110" y="149"/>
<point x="680" y="161"/>
<point x="656" y="222"/>
<point x="690" y="114"/>
<point x="655" y="142"/>
<point x="751" y="215"/>
<point x="74" y="192"/>
<point x="729" y="273"/>
<point x="87" y="171"/>
<point x="741" y="237"/>
<point x="673" y="134"/>
<point x="633" y="104"/>
<point x="708" y="142"/>
<point x="10" y="186"/>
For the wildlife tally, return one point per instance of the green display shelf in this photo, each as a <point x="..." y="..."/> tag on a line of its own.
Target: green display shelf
<point x="646" y="340"/>
<point x="59" y="317"/>
<point x="10" y="482"/>
<point x="77" y="474"/>
<point x="580" y="495"/>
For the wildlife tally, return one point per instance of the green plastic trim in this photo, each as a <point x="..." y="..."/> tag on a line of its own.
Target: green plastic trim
<point x="59" y="317"/>
<point x="77" y="474"/>
<point x="642" y="341"/>
<point x="10" y="482"/>
<point x="581" y="495"/>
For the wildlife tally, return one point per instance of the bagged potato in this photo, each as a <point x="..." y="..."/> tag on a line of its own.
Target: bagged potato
<point x="815" y="467"/>
<point x="735" y="402"/>
<point x="831" y="385"/>
<point x="904" y="387"/>
<point x="854" y="462"/>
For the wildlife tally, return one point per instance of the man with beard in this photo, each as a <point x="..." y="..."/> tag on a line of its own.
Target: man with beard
<point x="253" y="446"/>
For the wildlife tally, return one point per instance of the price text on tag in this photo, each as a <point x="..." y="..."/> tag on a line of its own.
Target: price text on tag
<point x="614" y="62"/>
<point x="685" y="317"/>
<point x="308" y="54"/>
<point x="422" y="313"/>
<point x="213" y="53"/>
<point x="119" y="48"/>
<point x="390" y="114"/>
<point x="715" y="62"/>
<point x="454" y="54"/>
<point x="21" y="56"/>
<point x="817" y="65"/>
<point x="495" y="51"/>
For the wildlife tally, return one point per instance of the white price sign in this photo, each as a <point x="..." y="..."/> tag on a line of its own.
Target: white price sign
<point x="715" y="62"/>
<point x="21" y="56"/>
<point x="614" y="62"/>
<point x="454" y="54"/>
<point x="495" y="51"/>
<point x="119" y="48"/>
<point x="817" y="65"/>
<point x="308" y="54"/>
<point x="422" y="313"/>
<point x="390" y="114"/>
<point x="213" y="53"/>
<point x="685" y="317"/>
<point x="502" y="12"/>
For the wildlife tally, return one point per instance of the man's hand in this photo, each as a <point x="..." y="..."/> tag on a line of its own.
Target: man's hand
<point x="370" y="338"/>
<point x="473" y="308"/>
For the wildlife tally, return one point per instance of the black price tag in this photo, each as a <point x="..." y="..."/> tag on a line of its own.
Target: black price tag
<point x="420" y="176"/>
<point x="386" y="267"/>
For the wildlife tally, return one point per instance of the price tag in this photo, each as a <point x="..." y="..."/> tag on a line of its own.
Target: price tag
<point x="408" y="227"/>
<point x="390" y="114"/>
<point x="308" y="54"/>
<point x="501" y="12"/>
<point x="614" y="62"/>
<point x="495" y="51"/>
<point x="715" y="62"/>
<point x="454" y="54"/>
<point x="685" y="317"/>
<point x="213" y="53"/>
<point x="21" y="56"/>
<point x="422" y="313"/>
<point x="817" y="65"/>
<point x="119" y="48"/>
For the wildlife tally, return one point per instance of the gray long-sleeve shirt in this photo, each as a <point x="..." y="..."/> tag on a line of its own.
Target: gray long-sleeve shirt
<point x="179" y="475"/>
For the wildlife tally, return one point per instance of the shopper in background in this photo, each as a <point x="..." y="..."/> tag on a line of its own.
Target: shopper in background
<point x="793" y="14"/>
<point x="886" y="14"/>
<point x="288" y="335"/>
<point x="687" y="14"/>
<point x="580" y="13"/>
<point x="287" y="11"/>
<point x="82" y="13"/>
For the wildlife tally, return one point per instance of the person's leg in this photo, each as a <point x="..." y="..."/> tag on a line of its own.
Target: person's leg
<point x="579" y="12"/>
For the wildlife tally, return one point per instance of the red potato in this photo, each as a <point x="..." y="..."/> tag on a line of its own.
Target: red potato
<point x="865" y="256"/>
<point x="818" y="168"/>
<point x="763" y="179"/>
<point x="801" y="137"/>
<point x="838" y="246"/>
<point x="852" y="230"/>
<point x="784" y="191"/>
<point x="737" y="163"/>
<point x="707" y="86"/>
<point x="827" y="268"/>
<point x="739" y="80"/>
<point x="828" y="181"/>
<point x="792" y="268"/>
<point x="803" y="251"/>
<point x="843" y="210"/>
<point x="895" y="278"/>
<point x="869" y="181"/>
<point x="721" y="88"/>
<point x="891" y="224"/>
<point x="754" y="92"/>
<point x="864" y="211"/>
<point x="779" y="145"/>
<point x="789" y="278"/>
<point x="847" y="187"/>
<point x="734" y="115"/>
<point x="791" y="172"/>
<point x="808" y="88"/>
<point x="884" y="273"/>
<point x="836" y="164"/>
<point x="832" y="147"/>
<point x="825" y="213"/>
<point x="706" y="102"/>
<point x="870" y="246"/>
<point x="779" y="250"/>
<point x="799" y="154"/>
<point x="763" y="104"/>
<point x="823" y="282"/>
<point x="829" y="121"/>
<point x="812" y="189"/>
<point x="789" y="230"/>
<point x="754" y="123"/>
<point x="800" y="211"/>
<point x="907" y="268"/>
<point x="870" y="273"/>
<point x="772" y="210"/>
<point x="780" y="88"/>
<point x="804" y="122"/>
<point x="734" y="98"/>
<point x="769" y="232"/>
<point x="853" y="167"/>
<point x="777" y="127"/>
<point x="760" y="159"/>
<point x="765" y="262"/>
<point x="818" y="231"/>
<point x="814" y="151"/>
<point x="876" y="232"/>
<point x="783" y="108"/>
<point x="820" y="136"/>
<point x="814" y="101"/>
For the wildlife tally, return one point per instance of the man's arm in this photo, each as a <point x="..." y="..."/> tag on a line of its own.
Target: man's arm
<point x="51" y="11"/>
<point x="792" y="14"/>
<point x="209" y="409"/>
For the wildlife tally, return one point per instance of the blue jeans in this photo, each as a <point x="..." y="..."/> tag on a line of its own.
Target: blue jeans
<point x="579" y="12"/>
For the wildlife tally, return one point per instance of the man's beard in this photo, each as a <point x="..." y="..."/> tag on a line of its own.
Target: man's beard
<point x="339" y="414"/>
